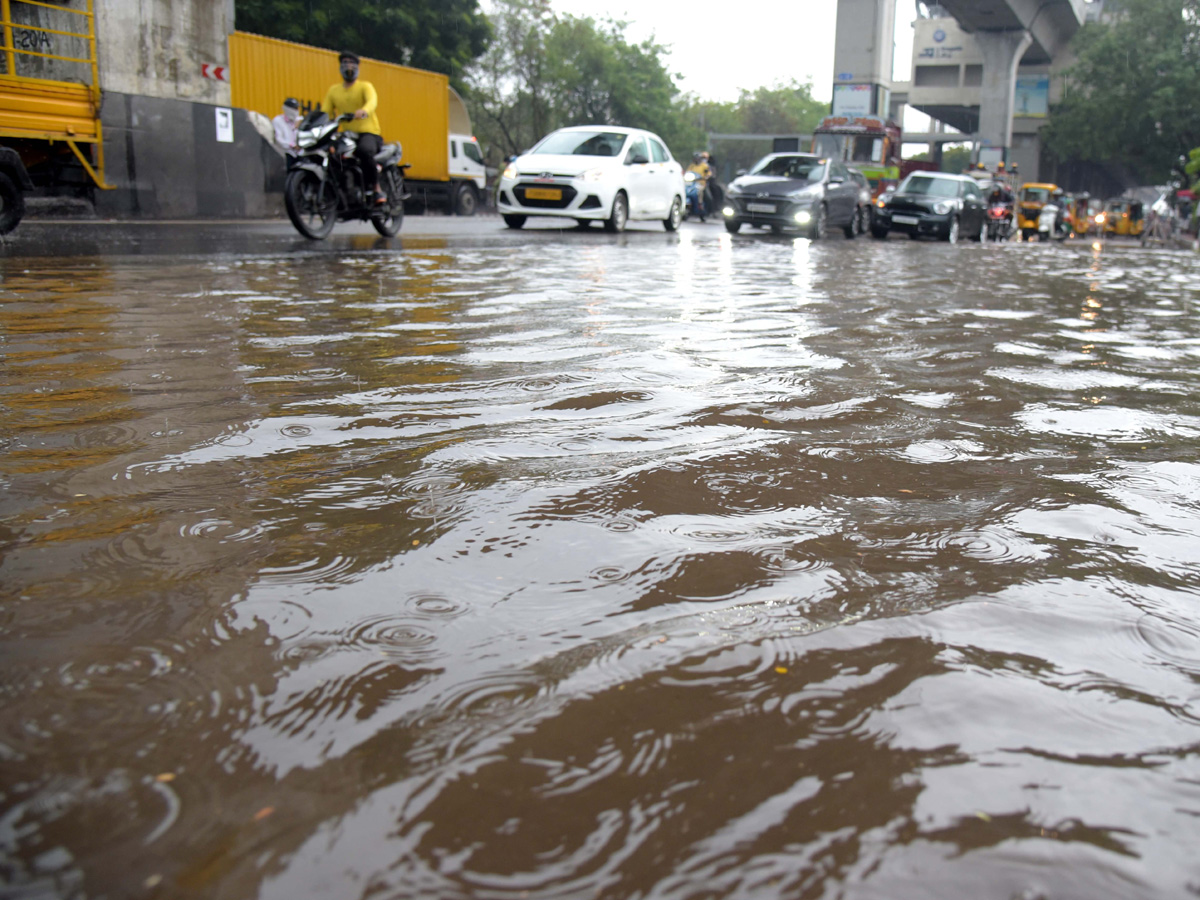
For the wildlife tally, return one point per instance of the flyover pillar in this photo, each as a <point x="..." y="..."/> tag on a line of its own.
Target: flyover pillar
<point x="1002" y="52"/>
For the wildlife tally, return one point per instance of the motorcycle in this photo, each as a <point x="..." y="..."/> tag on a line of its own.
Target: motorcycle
<point x="1049" y="225"/>
<point x="694" y="194"/>
<point x="325" y="184"/>
<point x="999" y="221"/>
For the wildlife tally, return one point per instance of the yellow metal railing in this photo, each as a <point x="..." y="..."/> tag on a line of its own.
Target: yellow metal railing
<point x="48" y="109"/>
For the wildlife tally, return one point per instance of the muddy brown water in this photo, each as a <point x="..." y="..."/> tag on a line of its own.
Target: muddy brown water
<point x="648" y="566"/>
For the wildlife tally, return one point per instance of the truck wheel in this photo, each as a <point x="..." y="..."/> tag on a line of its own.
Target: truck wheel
<point x="12" y="204"/>
<point x="466" y="201"/>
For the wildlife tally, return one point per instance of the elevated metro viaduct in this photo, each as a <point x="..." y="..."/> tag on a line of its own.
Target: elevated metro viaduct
<point x="981" y="66"/>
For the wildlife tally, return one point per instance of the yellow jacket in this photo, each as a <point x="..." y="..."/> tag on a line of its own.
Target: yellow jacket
<point x="340" y="99"/>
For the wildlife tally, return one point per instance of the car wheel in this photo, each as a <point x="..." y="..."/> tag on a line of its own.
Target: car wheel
<point x="671" y="222"/>
<point x="817" y="231"/>
<point x="850" y="230"/>
<point x="983" y="232"/>
<point x="615" y="223"/>
<point x="952" y="231"/>
<point x="514" y="221"/>
<point x="732" y="226"/>
<point x="879" y="233"/>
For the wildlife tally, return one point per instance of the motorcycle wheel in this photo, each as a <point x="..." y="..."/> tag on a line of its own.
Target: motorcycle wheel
<point x="388" y="222"/>
<point x="311" y="204"/>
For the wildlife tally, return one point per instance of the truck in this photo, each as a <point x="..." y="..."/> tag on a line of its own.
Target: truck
<point x="418" y="109"/>
<point x="870" y="144"/>
<point x="50" y="133"/>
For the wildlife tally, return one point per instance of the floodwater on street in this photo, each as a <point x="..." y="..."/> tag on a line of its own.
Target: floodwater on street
<point x="573" y="565"/>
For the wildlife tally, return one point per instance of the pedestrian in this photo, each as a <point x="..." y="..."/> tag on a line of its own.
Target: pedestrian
<point x="285" y="129"/>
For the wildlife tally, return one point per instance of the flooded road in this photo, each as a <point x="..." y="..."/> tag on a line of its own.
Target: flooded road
<point x="568" y="565"/>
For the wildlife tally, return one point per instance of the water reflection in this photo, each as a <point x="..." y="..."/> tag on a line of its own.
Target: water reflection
<point x="689" y="566"/>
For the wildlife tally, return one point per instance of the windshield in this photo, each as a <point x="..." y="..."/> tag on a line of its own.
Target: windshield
<point x="830" y="145"/>
<point x="581" y="143"/>
<point x="797" y="168"/>
<point x="930" y="187"/>
<point x="1035" y="195"/>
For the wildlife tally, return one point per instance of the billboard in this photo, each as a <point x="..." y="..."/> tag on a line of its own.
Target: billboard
<point x="1032" y="97"/>
<point x="853" y="99"/>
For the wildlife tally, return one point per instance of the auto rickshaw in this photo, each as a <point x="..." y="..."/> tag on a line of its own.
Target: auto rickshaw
<point x="1124" y="218"/>
<point x="1080" y="214"/>
<point x="1032" y="198"/>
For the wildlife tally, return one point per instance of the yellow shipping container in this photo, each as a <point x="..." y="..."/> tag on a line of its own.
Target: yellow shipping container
<point x="414" y="105"/>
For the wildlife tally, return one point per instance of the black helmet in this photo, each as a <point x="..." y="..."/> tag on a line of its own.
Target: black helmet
<point x="347" y="55"/>
<point x="697" y="157"/>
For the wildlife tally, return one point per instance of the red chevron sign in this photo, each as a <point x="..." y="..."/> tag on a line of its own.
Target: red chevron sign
<point x="219" y="73"/>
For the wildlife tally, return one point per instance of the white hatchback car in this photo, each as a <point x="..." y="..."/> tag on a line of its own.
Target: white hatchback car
<point x="594" y="172"/>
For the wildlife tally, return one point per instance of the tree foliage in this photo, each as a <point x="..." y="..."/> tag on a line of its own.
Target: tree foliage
<point x="544" y="71"/>
<point x="441" y="37"/>
<point x="1130" y="97"/>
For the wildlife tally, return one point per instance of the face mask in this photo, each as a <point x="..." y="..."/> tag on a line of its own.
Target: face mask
<point x="349" y="74"/>
<point x="291" y="114"/>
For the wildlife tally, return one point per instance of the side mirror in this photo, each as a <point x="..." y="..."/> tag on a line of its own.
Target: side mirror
<point x="836" y="179"/>
<point x="637" y="159"/>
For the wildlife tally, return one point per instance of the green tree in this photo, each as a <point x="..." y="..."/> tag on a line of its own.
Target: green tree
<point x="509" y="86"/>
<point x="441" y="37"/>
<point x="1130" y="97"/>
<point x="545" y="71"/>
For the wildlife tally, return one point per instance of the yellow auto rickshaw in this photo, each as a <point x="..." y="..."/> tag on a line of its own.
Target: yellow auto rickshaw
<point x="1032" y="198"/>
<point x="1124" y="218"/>
<point x="1079" y="214"/>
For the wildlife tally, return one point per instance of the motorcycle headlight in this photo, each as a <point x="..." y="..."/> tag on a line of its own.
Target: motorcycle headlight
<point x="510" y="172"/>
<point x="592" y="175"/>
<point x="943" y="207"/>
<point x="689" y="177"/>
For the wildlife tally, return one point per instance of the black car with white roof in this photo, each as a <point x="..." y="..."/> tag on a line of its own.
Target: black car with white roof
<point x="933" y="204"/>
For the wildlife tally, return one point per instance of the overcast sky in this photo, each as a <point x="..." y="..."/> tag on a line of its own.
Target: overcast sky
<point x="718" y="49"/>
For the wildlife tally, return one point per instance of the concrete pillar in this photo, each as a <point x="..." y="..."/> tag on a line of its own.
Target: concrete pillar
<point x="1002" y="52"/>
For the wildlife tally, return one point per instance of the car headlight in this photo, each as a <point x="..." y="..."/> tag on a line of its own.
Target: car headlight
<point x="803" y="217"/>
<point x="592" y="175"/>
<point x="943" y="207"/>
<point x="510" y="171"/>
<point x="881" y="203"/>
<point x="802" y="194"/>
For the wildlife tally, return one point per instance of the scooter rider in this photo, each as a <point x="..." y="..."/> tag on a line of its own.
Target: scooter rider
<point x="360" y="100"/>
<point x="703" y="172"/>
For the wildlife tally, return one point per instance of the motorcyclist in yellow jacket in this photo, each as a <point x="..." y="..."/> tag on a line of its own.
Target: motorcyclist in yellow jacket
<point x="359" y="99"/>
<point x="703" y="172"/>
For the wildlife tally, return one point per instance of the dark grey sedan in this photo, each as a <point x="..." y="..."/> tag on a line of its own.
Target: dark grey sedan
<point x="934" y="204"/>
<point x="793" y="192"/>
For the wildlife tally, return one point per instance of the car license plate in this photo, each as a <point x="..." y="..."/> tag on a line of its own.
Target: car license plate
<point x="543" y="193"/>
<point x="905" y="220"/>
<point x="761" y="207"/>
